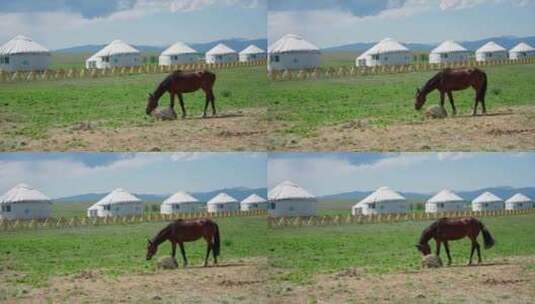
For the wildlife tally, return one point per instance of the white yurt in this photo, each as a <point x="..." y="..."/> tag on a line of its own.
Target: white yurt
<point x="487" y="202"/>
<point x="117" y="203"/>
<point x="491" y="51"/>
<point x="383" y="200"/>
<point x="181" y="202"/>
<point x="221" y="54"/>
<point x="115" y="54"/>
<point x="254" y="202"/>
<point x="179" y="53"/>
<point x="449" y="51"/>
<point x="23" y="54"/>
<point x="292" y="52"/>
<point x="252" y="53"/>
<point x="24" y="202"/>
<point x="289" y="199"/>
<point x="386" y="52"/>
<point x="223" y="203"/>
<point x="445" y="201"/>
<point x="521" y="50"/>
<point x="519" y="201"/>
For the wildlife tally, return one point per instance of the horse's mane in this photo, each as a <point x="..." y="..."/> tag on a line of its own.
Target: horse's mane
<point x="432" y="83"/>
<point x="427" y="233"/>
<point x="160" y="236"/>
<point x="165" y="85"/>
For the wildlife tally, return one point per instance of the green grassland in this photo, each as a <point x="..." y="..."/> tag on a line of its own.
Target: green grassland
<point x="295" y="254"/>
<point x="33" y="108"/>
<point x="346" y="59"/>
<point x="303" y="105"/>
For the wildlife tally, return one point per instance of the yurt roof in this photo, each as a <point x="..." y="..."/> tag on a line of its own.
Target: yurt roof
<point x="179" y="48"/>
<point x="519" y="198"/>
<point x="252" y="49"/>
<point x="487" y="197"/>
<point x="118" y="196"/>
<point x="522" y="47"/>
<point x="387" y="45"/>
<point x="22" y="193"/>
<point x="446" y="196"/>
<point x="292" y="43"/>
<point x="448" y="46"/>
<point x="21" y="44"/>
<point x="222" y="198"/>
<point x="382" y="195"/>
<point x="253" y="199"/>
<point x="180" y="197"/>
<point x="288" y="190"/>
<point x="491" y="46"/>
<point x="116" y="47"/>
<point x="220" y="49"/>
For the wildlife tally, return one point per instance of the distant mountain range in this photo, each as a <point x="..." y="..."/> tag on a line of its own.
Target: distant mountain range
<point x="237" y="193"/>
<point x="503" y="192"/>
<point x="507" y="42"/>
<point x="238" y="44"/>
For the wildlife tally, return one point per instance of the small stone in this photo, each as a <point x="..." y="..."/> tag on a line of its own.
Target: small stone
<point x="436" y="112"/>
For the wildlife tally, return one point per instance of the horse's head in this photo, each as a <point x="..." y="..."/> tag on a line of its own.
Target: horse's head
<point x="151" y="249"/>
<point x="152" y="103"/>
<point x="424" y="248"/>
<point x="420" y="100"/>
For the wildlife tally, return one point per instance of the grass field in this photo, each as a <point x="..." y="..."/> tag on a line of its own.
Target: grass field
<point x="295" y="254"/>
<point x="77" y="60"/>
<point x="302" y="252"/>
<point x="32" y="109"/>
<point x="302" y="106"/>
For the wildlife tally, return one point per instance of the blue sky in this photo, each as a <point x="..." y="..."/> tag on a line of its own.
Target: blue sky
<point x="66" y="174"/>
<point x="64" y="23"/>
<point x="337" y="22"/>
<point x="330" y="173"/>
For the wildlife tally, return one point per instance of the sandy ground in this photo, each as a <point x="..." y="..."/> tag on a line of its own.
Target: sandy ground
<point x="509" y="280"/>
<point x="506" y="281"/>
<point x="230" y="282"/>
<point x="230" y="131"/>
<point x="505" y="129"/>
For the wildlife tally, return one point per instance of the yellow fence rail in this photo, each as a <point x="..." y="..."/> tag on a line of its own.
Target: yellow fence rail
<point x="328" y="220"/>
<point x="74" y="222"/>
<point x="74" y="73"/>
<point x="353" y="71"/>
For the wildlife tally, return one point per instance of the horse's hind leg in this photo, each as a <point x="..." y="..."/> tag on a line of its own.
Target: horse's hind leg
<point x="447" y="247"/>
<point x="212" y="101"/>
<point x="181" y="99"/>
<point x="478" y="248"/>
<point x="474" y="113"/>
<point x="450" y="97"/>
<point x="183" y="254"/>
<point x="208" y="248"/>
<point x="207" y="102"/>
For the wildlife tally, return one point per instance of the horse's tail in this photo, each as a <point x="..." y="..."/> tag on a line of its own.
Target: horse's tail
<point x="483" y="90"/>
<point x="217" y="241"/>
<point x="488" y="240"/>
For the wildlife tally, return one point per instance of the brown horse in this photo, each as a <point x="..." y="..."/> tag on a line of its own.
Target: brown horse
<point x="181" y="231"/>
<point x="444" y="230"/>
<point x="449" y="80"/>
<point x="180" y="82"/>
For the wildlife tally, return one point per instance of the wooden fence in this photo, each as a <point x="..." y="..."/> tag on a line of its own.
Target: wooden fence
<point x="74" y="73"/>
<point x="340" y="72"/>
<point x="74" y="222"/>
<point x="327" y="220"/>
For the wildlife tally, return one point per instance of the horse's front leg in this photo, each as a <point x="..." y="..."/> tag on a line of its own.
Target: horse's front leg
<point x="173" y="251"/>
<point x="172" y="100"/>
<point x="447" y="247"/>
<point x="442" y="96"/>
<point x="183" y="253"/>
<point x="450" y="97"/>
<point x="181" y="99"/>
<point x="438" y="247"/>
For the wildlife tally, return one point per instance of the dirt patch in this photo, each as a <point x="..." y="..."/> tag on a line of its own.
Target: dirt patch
<point x="232" y="282"/>
<point x="229" y="131"/>
<point x="506" y="129"/>
<point x="503" y="282"/>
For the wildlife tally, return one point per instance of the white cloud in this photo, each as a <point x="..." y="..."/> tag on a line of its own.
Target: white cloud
<point x="461" y="4"/>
